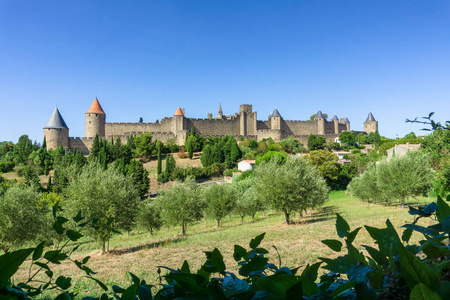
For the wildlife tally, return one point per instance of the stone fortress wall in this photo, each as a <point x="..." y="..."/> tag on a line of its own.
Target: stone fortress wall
<point x="243" y="124"/>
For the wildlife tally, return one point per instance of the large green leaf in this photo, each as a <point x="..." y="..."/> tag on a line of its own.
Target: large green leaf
<point x="11" y="261"/>
<point x="443" y="210"/>
<point x="257" y="240"/>
<point x="334" y="245"/>
<point x="415" y="271"/>
<point x="379" y="258"/>
<point x="422" y="292"/>
<point x="342" y="226"/>
<point x="239" y="252"/>
<point x="214" y="262"/>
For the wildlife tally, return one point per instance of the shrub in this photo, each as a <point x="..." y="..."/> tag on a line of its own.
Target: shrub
<point x="6" y="166"/>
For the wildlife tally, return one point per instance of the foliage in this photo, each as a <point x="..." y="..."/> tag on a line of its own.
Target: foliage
<point x="6" y="166"/>
<point x="316" y="142"/>
<point x="105" y="195"/>
<point x="396" y="179"/>
<point x="149" y="216"/>
<point x="220" y="200"/>
<point x="372" y="138"/>
<point x="181" y="204"/>
<point x="248" y="202"/>
<point x="138" y="176"/>
<point x="21" y="218"/>
<point x="280" y="157"/>
<point x="159" y="164"/>
<point x="294" y="186"/>
<point x="144" y="145"/>
<point x="348" y="137"/>
<point x="327" y="165"/>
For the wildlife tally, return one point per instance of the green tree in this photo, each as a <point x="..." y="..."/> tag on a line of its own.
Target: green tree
<point x="190" y="146"/>
<point x="159" y="165"/>
<point x="106" y="196"/>
<point x="248" y="202"/>
<point x="144" y="144"/>
<point x="348" y="138"/>
<point x="181" y="204"/>
<point x="21" y="218"/>
<point x="294" y="186"/>
<point x="327" y="164"/>
<point x="207" y="156"/>
<point x="316" y="142"/>
<point x="95" y="146"/>
<point x="149" y="216"/>
<point x="395" y="179"/>
<point x="139" y="177"/>
<point x="220" y="200"/>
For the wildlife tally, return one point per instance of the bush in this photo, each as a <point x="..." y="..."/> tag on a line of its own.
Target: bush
<point x="6" y="166"/>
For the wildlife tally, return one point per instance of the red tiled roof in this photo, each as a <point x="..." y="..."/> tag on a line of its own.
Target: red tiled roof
<point x="178" y="112"/>
<point x="95" y="108"/>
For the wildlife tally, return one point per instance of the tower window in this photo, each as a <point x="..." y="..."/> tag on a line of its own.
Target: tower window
<point x="89" y="122"/>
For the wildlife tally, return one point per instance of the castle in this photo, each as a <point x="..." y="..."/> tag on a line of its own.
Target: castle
<point x="243" y="124"/>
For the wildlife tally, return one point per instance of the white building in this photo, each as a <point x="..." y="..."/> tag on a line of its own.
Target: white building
<point x="246" y="165"/>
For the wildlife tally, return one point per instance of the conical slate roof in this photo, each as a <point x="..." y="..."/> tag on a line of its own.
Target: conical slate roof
<point x="319" y="115"/>
<point x="345" y="120"/>
<point x="275" y="114"/>
<point x="220" y="108"/>
<point x="95" y="108"/>
<point x="178" y="112"/>
<point x="370" y="117"/>
<point x="56" y="121"/>
<point x="334" y="118"/>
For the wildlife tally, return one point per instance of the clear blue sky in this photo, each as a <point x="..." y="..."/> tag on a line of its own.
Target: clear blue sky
<point x="146" y="58"/>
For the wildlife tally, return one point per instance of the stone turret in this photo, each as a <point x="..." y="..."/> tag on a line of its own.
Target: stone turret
<point x="346" y="122"/>
<point x="220" y="113"/>
<point x="320" y="119"/>
<point x="95" y="120"/>
<point x="275" y="120"/>
<point x="56" y="132"/>
<point x="335" y="121"/>
<point x="370" y="125"/>
<point x="179" y="125"/>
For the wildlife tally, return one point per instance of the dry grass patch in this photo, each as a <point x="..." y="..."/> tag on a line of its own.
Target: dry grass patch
<point x="298" y="244"/>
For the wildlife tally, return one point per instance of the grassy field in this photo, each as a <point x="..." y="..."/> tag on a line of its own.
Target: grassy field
<point x="298" y="244"/>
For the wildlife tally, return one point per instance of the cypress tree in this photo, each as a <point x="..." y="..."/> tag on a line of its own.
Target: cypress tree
<point x="190" y="147"/>
<point x="49" y="183"/>
<point x="159" y="165"/>
<point x="167" y="170"/>
<point x="118" y="142"/>
<point x="95" y="146"/>
<point x="44" y="145"/>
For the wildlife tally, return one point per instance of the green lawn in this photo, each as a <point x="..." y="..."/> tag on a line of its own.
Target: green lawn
<point x="298" y="244"/>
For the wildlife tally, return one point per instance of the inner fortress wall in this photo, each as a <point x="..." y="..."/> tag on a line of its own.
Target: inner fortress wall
<point x="214" y="127"/>
<point x="114" y="129"/>
<point x="329" y="127"/>
<point x="299" y="127"/>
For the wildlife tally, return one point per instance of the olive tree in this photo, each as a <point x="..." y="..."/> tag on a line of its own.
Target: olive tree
<point x="181" y="204"/>
<point x="291" y="187"/>
<point x="248" y="202"/>
<point x="395" y="179"/>
<point x="106" y="196"/>
<point x="21" y="218"/>
<point x="220" y="201"/>
<point x="149" y="216"/>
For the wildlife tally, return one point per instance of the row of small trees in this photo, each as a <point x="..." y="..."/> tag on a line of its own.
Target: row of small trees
<point x="290" y="187"/>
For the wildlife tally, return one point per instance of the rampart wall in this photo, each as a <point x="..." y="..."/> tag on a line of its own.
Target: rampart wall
<point x="214" y="127"/>
<point x="120" y="128"/>
<point x="299" y="127"/>
<point x="81" y="144"/>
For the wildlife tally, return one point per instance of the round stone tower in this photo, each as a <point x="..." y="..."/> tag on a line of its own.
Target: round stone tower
<point x="56" y="132"/>
<point x="275" y="120"/>
<point x="370" y="125"/>
<point x="95" y="120"/>
<point x="320" y="119"/>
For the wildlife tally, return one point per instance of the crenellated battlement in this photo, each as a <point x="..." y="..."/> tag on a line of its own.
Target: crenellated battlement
<point x="242" y="124"/>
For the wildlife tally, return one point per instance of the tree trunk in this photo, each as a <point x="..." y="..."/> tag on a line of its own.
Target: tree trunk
<point x="286" y="215"/>
<point x="104" y="247"/>
<point x="263" y="214"/>
<point x="242" y="219"/>
<point x="183" y="229"/>
<point x="218" y="223"/>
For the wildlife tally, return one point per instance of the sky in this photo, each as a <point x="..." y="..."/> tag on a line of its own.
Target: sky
<point x="146" y="58"/>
